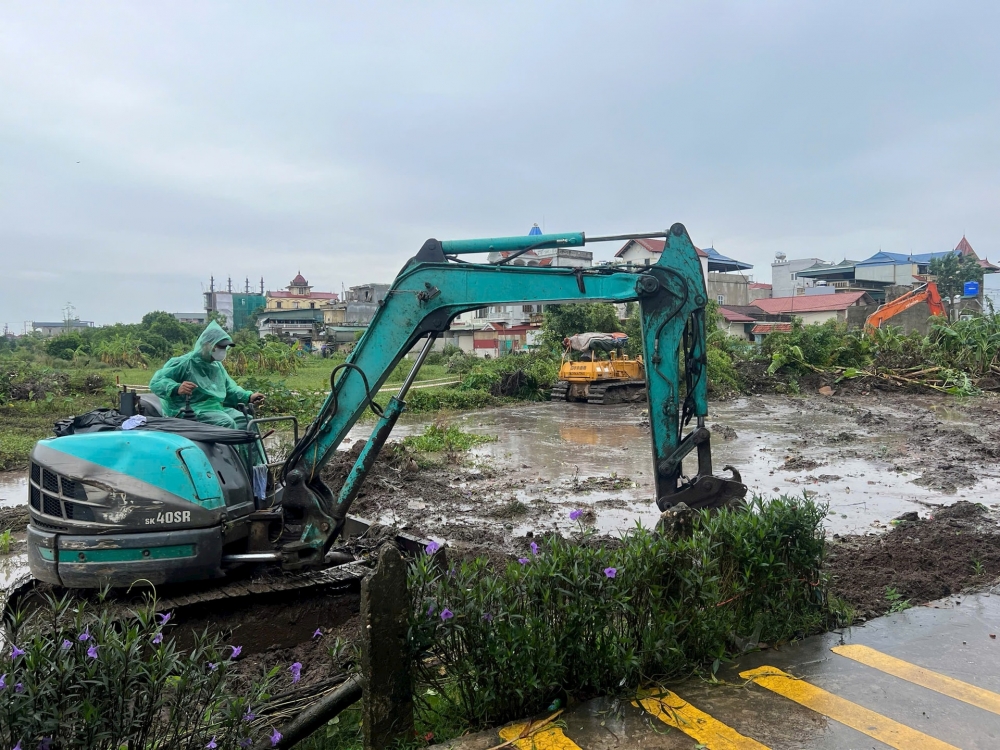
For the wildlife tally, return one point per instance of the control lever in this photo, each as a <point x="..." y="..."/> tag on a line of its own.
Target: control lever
<point x="187" y="412"/>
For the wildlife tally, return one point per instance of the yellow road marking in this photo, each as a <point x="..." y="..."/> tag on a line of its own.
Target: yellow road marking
<point x="547" y="739"/>
<point x="676" y="712"/>
<point x="939" y="683"/>
<point x="840" y="709"/>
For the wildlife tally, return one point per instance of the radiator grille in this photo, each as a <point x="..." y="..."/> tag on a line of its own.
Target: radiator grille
<point x="50" y="506"/>
<point x="35" y="498"/>
<point x="77" y="512"/>
<point x="50" y="481"/>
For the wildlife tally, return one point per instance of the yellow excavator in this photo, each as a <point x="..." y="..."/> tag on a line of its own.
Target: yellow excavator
<point x="595" y="379"/>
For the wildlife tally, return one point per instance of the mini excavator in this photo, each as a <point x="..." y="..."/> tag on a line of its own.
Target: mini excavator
<point x="174" y="500"/>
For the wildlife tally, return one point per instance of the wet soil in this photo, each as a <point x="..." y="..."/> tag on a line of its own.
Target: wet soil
<point x="919" y="560"/>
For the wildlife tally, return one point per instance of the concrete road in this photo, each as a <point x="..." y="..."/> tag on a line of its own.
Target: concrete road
<point x="924" y="679"/>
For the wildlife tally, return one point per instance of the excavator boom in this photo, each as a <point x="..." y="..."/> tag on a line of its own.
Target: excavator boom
<point x="927" y="293"/>
<point x="433" y="289"/>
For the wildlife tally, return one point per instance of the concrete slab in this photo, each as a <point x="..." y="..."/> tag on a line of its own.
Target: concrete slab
<point x="924" y="679"/>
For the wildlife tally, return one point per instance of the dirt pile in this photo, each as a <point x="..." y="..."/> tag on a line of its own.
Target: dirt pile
<point x="15" y="519"/>
<point x="923" y="560"/>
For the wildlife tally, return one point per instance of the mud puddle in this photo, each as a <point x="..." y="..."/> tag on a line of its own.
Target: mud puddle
<point x="13" y="488"/>
<point x="870" y="458"/>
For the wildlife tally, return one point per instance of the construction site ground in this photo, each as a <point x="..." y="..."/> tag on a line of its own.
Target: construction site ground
<point x="872" y="458"/>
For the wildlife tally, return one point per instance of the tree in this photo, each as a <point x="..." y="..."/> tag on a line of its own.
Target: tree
<point x="562" y="321"/>
<point x="952" y="271"/>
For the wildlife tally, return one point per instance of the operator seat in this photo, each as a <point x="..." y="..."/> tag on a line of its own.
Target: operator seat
<point x="151" y="406"/>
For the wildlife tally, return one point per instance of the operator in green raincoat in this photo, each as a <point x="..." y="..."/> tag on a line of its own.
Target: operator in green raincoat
<point x="200" y="374"/>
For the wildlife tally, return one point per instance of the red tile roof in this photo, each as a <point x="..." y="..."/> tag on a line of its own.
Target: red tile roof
<point x="731" y="316"/>
<point x="655" y="247"/>
<point x="809" y="303"/>
<point x="771" y="327"/>
<point x="758" y="285"/>
<point x="309" y="296"/>
<point x="299" y="281"/>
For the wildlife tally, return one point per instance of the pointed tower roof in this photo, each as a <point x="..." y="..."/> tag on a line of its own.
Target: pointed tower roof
<point x="964" y="248"/>
<point x="299" y="281"/>
<point x="534" y="230"/>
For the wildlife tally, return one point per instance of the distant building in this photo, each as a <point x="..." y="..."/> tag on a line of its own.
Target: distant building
<point x="358" y="307"/>
<point x="298" y="295"/>
<point x="815" y="308"/>
<point x="304" y="324"/>
<point x="198" y="318"/>
<point x="235" y="308"/>
<point x="725" y="281"/>
<point x="758" y="290"/>
<point x="785" y="278"/>
<point x="63" y="326"/>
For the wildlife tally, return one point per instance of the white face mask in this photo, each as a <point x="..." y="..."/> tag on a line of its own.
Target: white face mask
<point x="219" y="353"/>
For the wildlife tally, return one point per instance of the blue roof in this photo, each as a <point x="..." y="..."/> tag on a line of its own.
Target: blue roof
<point x="714" y="256"/>
<point x="534" y="230"/>
<point x="892" y="259"/>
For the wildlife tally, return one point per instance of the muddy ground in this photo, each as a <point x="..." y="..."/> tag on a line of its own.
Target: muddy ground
<point x="872" y="456"/>
<point x="919" y="560"/>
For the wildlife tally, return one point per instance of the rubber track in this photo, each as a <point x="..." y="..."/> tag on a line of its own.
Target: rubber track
<point x="597" y="394"/>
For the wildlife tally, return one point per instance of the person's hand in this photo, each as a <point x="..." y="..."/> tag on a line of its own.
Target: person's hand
<point x="256" y="398"/>
<point x="186" y="388"/>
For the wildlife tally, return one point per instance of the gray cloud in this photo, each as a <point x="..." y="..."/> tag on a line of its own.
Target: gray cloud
<point x="146" y="147"/>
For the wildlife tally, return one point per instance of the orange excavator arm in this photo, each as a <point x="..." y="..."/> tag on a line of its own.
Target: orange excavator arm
<point x="927" y="293"/>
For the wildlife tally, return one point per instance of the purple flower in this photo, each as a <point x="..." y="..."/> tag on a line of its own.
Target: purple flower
<point x="3" y="681"/>
<point x="534" y="548"/>
<point x="158" y="638"/>
<point x="575" y="514"/>
<point x="275" y="738"/>
<point x="164" y="618"/>
<point x="249" y="715"/>
<point x="45" y="744"/>
<point x="17" y="746"/>
<point x="446" y="614"/>
<point x="16" y="653"/>
<point x="610" y="572"/>
<point x="211" y="744"/>
<point x="318" y="633"/>
<point x="431" y="548"/>
<point x="212" y="666"/>
<point x="85" y="635"/>
<point x="430" y="610"/>
<point x="488" y="617"/>
<point x="92" y="651"/>
<point x="246" y="742"/>
<point x="523" y="560"/>
<point x="19" y="687"/>
<point x="67" y="645"/>
<point x="237" y="650"/>
<point x="296" y="670"/>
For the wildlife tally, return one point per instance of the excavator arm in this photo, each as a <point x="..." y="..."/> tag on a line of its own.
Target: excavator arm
<point x="927" y="293"/>
<point x="433" y="288"/>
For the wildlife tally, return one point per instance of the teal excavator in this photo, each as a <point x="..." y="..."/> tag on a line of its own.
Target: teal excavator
<point x="174" y="500"/>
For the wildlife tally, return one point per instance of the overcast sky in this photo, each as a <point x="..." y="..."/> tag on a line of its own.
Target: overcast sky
<point x="147" y="146"/>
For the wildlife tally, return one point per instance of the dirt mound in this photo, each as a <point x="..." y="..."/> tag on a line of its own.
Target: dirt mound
<point x="799" y="463"/>
<point x="15" y="519"/>
<point x="725" y="431"/>
<point x="958" y="548"/>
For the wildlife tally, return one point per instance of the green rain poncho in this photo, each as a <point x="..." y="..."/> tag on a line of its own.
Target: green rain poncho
<point x="216" y="391"/>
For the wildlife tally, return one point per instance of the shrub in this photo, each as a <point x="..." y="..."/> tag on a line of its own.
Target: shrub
<point x="523" y="376"/>
<point x="588" y="619"/>
<point x="81" y="680"/>
<point x="437" y="438"/>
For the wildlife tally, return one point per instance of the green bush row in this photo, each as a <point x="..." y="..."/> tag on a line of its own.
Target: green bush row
<point x="586" y="619"/>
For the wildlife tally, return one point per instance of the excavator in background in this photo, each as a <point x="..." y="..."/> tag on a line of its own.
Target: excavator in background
<point x="927" y="293"/>
<point x="614" y="380"/>
<point x="175" y="501"/>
